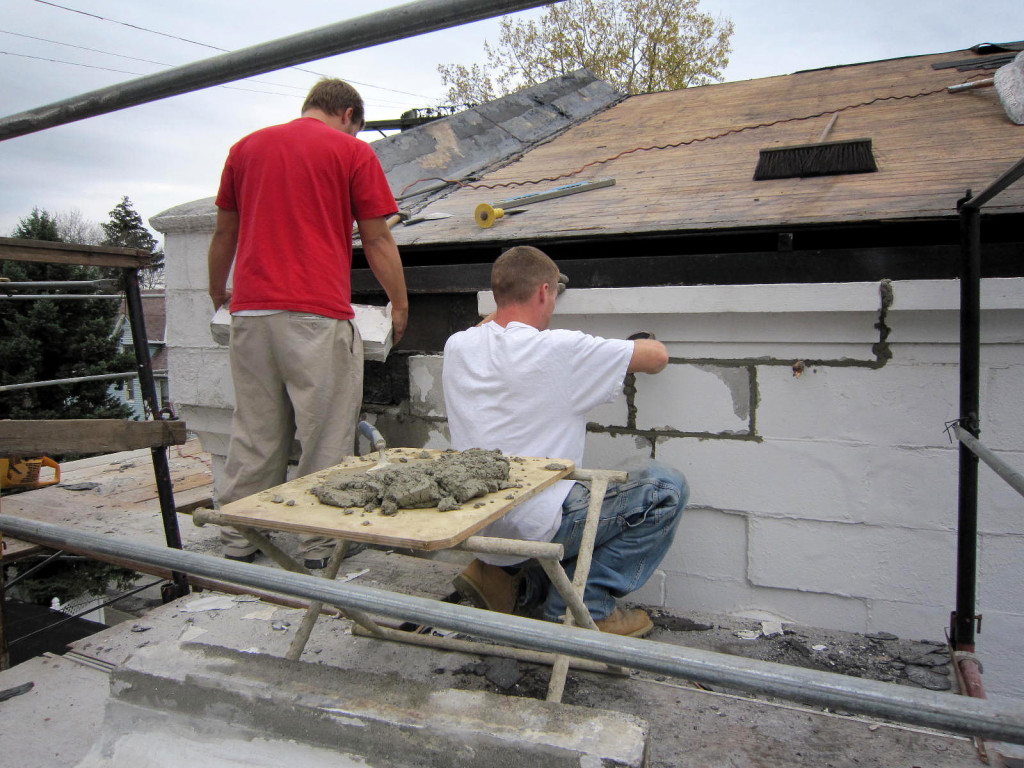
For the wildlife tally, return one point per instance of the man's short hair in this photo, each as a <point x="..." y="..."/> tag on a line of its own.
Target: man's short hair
<point x="334" y="96"/>
<point x="519" y="272"/>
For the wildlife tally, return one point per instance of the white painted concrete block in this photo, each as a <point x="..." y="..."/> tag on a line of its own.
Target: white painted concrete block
<point x="189" y="313"/>
<point x="852" y="560"/>
<point x="1001" y="575"/>
<point x="1002" y="417"/>
<point x="913" y="621"/>
<point x="652" y="593"/>
<point x="710" y="544"/>
<point x="1000" y="646"/>
<point x="201" y="377"/>
<point x="695" y="398"/>
<point x="613" y="414"/>
<point x="1000" y="507"/>
<point x="185" y="265"/>
<point x="425" y="390"/>
<point x="606" y="451"/>
<point x="844" y="482"/>
<point x="894" y="405"/>
<point x="692" y="593"/>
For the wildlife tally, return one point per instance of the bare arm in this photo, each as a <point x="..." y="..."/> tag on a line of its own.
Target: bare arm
<point x="386" y="263"/>
<point x="649" y="356"/>
<point x="222" y="253"/>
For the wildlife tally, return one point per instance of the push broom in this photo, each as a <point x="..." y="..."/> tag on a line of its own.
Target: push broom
<point x="826" y="158"/>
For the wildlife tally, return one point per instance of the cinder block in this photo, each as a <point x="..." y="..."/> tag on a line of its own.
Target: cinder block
<point x="1000" y="646"/>
<point x="895" y="405"/>
<point x="999" y="504"/>
<point x="711" y="544"/>
<point x="186" y="260"/>
<point x="188" y="318"/>
<point x="694" y="398"/>
<point x="206" y="693"/>
<point x="1002" y="418"/>
<point x="613" y="414"/>
<point x="845" y="482"/>
<point x="201" y="377"/>
<point x="426" y="394"/>
<point x="652" y="593"/>
<point x="1000" y="575"/>
<point x="607" y="451"/>
<point x="724" y="596"/>
<point x="852" y="560"/>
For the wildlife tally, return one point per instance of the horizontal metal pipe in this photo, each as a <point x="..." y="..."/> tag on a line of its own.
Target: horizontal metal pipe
<point x="74" y="296"/>
<point x="957" y="714"/>
<point x="372" y="29"/>
<point x="1000" y="467"/>
<point x="76" y="380"/>
<point x="106" y="285"/>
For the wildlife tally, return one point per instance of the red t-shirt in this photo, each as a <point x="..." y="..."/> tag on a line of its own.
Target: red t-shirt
<point x="298" y="188"/>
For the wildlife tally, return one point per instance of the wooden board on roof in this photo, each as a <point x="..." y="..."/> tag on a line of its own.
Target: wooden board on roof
<point x="930" y="147"/>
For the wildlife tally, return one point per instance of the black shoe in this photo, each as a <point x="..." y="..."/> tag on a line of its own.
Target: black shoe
<point x="316" y="565"/>
<point x="250" y="558"/>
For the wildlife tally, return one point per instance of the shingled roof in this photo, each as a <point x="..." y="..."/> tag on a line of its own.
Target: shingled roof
<point x="683" y="161"/>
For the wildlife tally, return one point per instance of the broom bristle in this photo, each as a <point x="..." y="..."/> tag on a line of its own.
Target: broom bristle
<point x="827" y="159"/>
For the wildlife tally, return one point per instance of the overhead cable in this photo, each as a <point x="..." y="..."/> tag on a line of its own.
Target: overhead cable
<point x="213" y="47"/>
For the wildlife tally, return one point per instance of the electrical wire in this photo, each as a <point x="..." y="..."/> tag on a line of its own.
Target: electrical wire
<point x="143" y="74"/>
<point x="674" y="145"/>
<point x="213" y="47"/>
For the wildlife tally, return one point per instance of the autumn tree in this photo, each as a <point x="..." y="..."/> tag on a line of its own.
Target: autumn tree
<point x="126" y="230"/>
<point x="638" y="46"/>
<point x="46" y="339"/>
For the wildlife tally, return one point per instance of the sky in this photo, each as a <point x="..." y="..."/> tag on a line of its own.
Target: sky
<point x="171" y="152"/>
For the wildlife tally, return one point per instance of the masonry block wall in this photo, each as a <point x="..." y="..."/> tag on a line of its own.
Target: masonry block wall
<point x="809" y="420"/>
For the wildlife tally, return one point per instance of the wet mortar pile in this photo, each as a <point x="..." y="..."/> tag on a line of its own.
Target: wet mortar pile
<point x="446" y="482"/>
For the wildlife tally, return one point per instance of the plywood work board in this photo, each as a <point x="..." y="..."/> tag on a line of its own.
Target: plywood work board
<point x="424" y="529"/>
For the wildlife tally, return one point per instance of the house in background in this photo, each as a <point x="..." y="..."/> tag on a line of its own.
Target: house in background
<point x="812" y="323"/>
<point x="154" y="310"/>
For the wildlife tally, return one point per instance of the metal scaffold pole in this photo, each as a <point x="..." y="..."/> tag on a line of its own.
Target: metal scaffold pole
<point x="1002" y="720"/>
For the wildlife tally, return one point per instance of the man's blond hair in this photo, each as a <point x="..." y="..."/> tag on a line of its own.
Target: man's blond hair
<point x="333" y="97"/>
<point x="519" y="272"/>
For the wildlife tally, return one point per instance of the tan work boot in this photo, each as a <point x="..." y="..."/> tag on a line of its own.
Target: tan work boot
<point x="488" y="587"/>
<point x="632" y="623"/>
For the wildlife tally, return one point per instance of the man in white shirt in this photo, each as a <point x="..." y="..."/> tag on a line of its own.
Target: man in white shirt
<point x="513" y="384"/>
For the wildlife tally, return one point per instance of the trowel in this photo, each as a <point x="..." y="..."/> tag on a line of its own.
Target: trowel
<point x="379" y="444"/>
<point x="351" y="469"/>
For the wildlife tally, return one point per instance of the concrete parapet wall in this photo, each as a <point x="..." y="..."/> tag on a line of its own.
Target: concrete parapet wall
<point x="171" y="701"/>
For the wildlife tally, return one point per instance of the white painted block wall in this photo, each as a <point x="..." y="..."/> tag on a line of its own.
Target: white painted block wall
<point x="828" y="499"/>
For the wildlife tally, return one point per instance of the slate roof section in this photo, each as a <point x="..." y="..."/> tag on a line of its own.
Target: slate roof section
<point x="480" y="138"/>
<point x="929" y="150"/>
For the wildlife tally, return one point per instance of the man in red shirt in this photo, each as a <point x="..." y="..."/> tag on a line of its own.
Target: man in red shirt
<point x="288" y="197"/>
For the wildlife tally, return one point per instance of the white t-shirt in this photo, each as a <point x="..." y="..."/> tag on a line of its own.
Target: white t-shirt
<point x="527" y="392"/>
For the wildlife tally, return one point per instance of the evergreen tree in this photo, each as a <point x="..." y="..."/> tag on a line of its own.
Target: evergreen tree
<point x="126" y="230"/>
<point x="46" y="339"/>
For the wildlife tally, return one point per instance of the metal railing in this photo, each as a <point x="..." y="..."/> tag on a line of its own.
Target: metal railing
<point x="956" y="714"/>
<point x="963" y="619"/>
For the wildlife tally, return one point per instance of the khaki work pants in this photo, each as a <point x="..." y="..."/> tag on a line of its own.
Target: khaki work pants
<point x="296" y="376"/>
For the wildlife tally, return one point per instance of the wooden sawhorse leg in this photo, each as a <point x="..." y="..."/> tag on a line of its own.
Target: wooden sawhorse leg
<point x="599" y="480"/>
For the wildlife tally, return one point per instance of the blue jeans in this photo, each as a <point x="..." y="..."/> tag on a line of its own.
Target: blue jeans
<point x="638" y="522"/>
